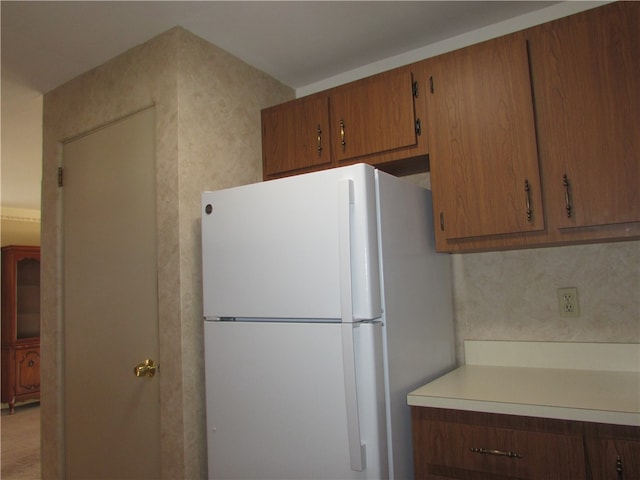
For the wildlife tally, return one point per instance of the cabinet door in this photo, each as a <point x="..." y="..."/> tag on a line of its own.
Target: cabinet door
<point x="373" y="115"/>
<point x="27" y="371"/>
<point x="20" y="293"/>
<point x="586" y="82"/>
<point x="27" y="298"/>
<point x="614" y="459"/>
<point x="295" y="136"/>
<point x="484" y="164"/>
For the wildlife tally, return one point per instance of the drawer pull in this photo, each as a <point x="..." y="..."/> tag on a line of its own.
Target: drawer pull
<point x="619" y="469"/>
<point x="498" y="453"/>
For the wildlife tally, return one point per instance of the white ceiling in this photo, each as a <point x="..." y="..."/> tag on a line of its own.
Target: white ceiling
<point x="45" y="44"/>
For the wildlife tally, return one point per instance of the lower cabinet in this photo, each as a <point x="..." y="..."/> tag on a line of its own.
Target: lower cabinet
<point x="613" y="452"/>
<point x="20" y="374"/>
<point x="456" y="444"/>
<point x="27" y="364"/>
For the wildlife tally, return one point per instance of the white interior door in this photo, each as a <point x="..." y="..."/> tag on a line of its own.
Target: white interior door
<point x="111" y="417"/>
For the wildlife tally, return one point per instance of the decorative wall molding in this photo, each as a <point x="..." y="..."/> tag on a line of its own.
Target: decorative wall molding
<point x="20" y="215"/>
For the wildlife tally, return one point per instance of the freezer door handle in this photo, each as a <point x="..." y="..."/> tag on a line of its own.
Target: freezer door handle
<point x="357" y="450"/>
<point x="358" y="251"/>
<point x="344" y="217"/>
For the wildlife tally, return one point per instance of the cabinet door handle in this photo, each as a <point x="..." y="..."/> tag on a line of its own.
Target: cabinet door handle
<point x="527" y="190"/>
<point x="567" y="195"/>
<point x="319" y="133"/>
<point x="619" y="469"/>
<point x="342" y="142"/>
<point x="498" y="453"/>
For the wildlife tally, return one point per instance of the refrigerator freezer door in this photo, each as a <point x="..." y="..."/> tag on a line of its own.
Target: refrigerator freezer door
<point x="276" y="401"/>
<point x="274" y="249"/>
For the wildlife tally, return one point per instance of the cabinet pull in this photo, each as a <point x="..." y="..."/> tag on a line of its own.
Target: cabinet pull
<point x="567" y="196"/>
<point x="342" y="142"/>
<point x="319" y="133"/>
<point x="498" y="453"/>
<point x="528" y="200"/>
<point x="619" y="468"/>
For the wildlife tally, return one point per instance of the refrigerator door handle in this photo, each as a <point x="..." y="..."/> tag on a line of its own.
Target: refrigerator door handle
<point x="359" y="269"/>
<point x="344" y="219"/>
<point x="357" y="449"/>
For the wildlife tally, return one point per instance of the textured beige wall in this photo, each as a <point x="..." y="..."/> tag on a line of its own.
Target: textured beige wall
<point x="207" y="136"/>
<point x="513" y="295"/>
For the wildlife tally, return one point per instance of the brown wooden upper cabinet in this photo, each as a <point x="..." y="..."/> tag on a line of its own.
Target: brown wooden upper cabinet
<point x="375" y="116"/>
<point x="375" y="120"/>
<point x="556" y="107"/>
<point x="532" y="139"/>
<point x="586" y="71"/>
<point x="483" y="155"/>
<point x="295" y="136"/>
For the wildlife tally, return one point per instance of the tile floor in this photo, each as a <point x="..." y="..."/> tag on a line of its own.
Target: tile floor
<point x="20" y="443"/>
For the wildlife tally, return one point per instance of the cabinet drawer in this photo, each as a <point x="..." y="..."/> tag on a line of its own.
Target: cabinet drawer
<point x="455" y="448"/>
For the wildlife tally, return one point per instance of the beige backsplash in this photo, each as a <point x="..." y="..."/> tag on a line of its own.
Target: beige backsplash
<point x="512" y="295"/>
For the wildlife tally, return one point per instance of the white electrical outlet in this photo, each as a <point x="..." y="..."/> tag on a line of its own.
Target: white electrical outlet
<point x="568" y="302"/>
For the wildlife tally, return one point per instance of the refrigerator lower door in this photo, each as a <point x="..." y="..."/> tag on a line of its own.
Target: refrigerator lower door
<point x="277" y="400"/>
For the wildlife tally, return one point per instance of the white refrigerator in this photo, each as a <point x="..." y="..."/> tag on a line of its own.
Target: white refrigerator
<point x="325" y="304"/>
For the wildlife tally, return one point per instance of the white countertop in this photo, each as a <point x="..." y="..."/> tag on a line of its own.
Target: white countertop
<point x="596" y="393"/>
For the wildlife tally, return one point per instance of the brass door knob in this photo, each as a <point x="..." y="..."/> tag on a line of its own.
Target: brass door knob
<point x="148" y="369"/>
